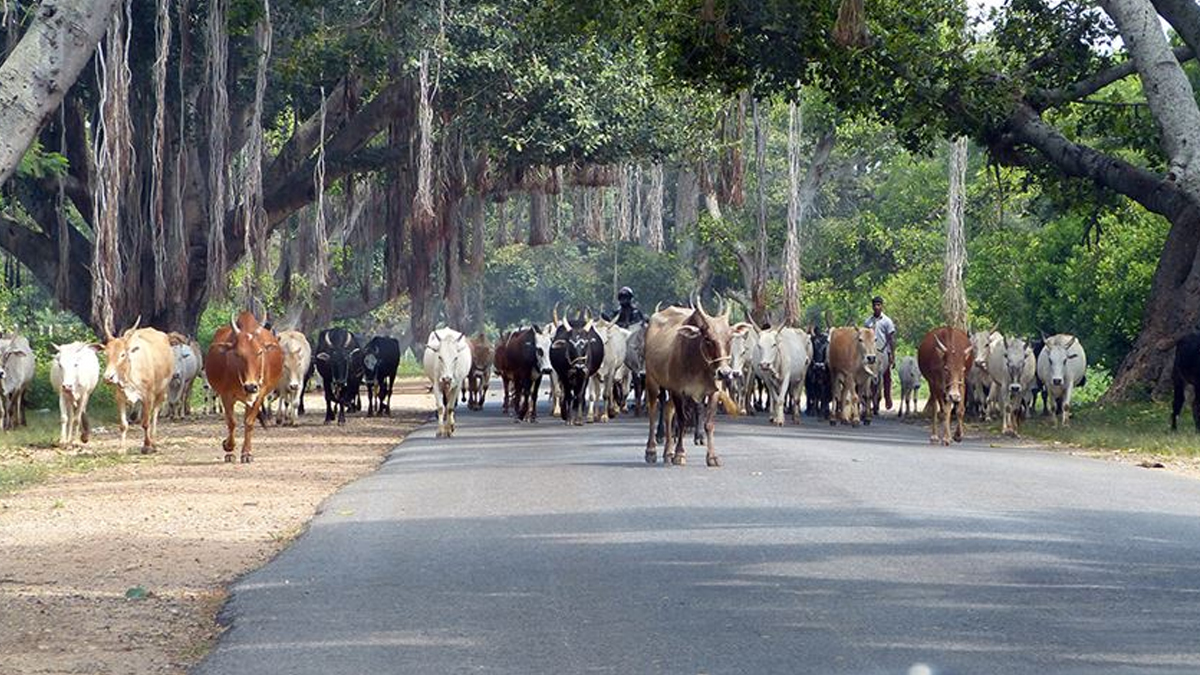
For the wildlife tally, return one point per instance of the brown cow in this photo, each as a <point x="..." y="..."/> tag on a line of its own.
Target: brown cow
<point x="945" y="357"/>
<point x="687" y="355"/>
<point x="245" y="363"/>
<point x="481" y="371"/>
<point x="139" y="366"/>
<point x="500" y="363"/>
<point x="852" y="357"/>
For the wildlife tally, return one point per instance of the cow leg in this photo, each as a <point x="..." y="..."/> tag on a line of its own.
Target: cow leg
<point x="1066" y="407"/>
<point x="452" y="401"/>
<point x="341" y="413"/>
<point x="797" y="413"/>
<point x="121" y="416"/>
<point x="958" y="431"/>
<point x="329" y="405"/>
<point x="670" y="410"/>
<point x="710" y="424"/>
<point x="65" y="413"/>
<point x="1196" y="406"/>
<point x="652" y="418"/>
<point x="1177" y="402"/>
<point x="698" y="430"/>
<point x="85" y="430"/>
<point x="250" y="415"/>
<point x="935" y="408"/>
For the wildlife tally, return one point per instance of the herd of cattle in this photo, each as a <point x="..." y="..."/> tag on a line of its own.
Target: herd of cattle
<point x="691" y="363"/>
<point x="683" y="360"/>
<point x="246" y="362"/>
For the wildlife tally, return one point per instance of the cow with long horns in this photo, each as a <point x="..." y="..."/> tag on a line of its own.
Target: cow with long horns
<point x="687" y="356"/>
<point x="139" y="368"/>
<point x="338" y="362"/>
<point x="244" y="364"/>
<point x="945" y="358"/>
<point x="576" y="353"/>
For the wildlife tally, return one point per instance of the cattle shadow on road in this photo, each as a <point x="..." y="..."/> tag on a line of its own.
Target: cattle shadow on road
<point x="747" y="590"/>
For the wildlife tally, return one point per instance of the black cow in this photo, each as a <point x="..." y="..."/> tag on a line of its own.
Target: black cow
<point x="575" y="355"/>
<point x="525" y="361"/>
<point x="635" y="363"/>
<point x="381" y="359"/>
<point x="1185" y="372"/>
<point x="338" y="358"/>
<point x="1037" y="343"/>
<point x="818" y="387"/>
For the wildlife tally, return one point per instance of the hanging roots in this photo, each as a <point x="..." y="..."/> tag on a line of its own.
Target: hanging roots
<point x="851" y="27"/>
<point x="320" y="236"/>
<point x="158" y="232"/>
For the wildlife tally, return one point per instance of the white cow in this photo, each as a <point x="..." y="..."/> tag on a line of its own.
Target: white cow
<point x="742" y="349"/>
<point x="910" y="382"/>
<point x="74" y="373"/>
<point x="1062" y="366"/>
<point x="17" y="366"/>
<point x="979" y="396"/>
<point x="555" y="388"/>
<point x="297" y="355"/>
<point x="1013" y="370"/>
<point x="612" y="370"/>
<point x="783" y="358"/>
<point x="187" y="368"/>
<point x="447" y="363"/>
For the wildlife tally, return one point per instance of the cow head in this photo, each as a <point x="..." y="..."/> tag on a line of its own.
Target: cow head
<point x="981" y="344"/>
<point x="542" y="339"/>
<point x="867" y="349"/>
<point x="116" y="360"/>
<point x="72" y="359"/>
<point x="181" y="353"/>
<point x="712" y="335"/>
<point x="956" y="360"/>
<point x="1058" y="353"/>
<point x="449" y="349"/>
<point x="820" y="360"/>
<point x="370" y="363"/>
<point x="1015" y="353"/>
<point x="246" y="347"/>
<point x="768" y="351"/>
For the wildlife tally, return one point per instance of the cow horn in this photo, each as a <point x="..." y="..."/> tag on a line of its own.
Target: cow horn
<point x="938" y="340"/>
<point x="108" y="336"/>
<point x="566" y="322"/>
<point x="135" y="326"/>
<point x="700" y="308"/>
<point x="588" y="326"/>
<point x="1070" y="344"/>
<point x="555" y="314"/>
<point x="233" y="323"/>
<point x="349" y="339"/>
<point x="726" y="308"/>
<point x="325" y="339"/>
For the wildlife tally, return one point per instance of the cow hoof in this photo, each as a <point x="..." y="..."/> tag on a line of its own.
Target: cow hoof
<point x="668" y="459"/>
<point x="866" y="423"/>
<point x="934" y="439"/>
<point x="148" y="450"/>
<point x="229" y="458"/>
<point x="832" y="422"/>
<point x="958" y="437"/>
<point x="946" y="441"/>
<point x="246" y="458"/>
<point x="651" y="456"/>
<point x="679" y="459"/>
<point x="713" y="461"/>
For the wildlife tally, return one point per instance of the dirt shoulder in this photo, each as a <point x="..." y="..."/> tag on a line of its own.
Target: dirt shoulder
<point x="122" y="569"/>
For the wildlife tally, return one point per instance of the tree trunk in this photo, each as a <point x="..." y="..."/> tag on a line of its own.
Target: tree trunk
<point x="791" y="248"/>
<point x="1172" y="311"/>
<point x="654" y="220"/>
<point x="501" y="223"/>
<point x="687" y="199"/>
<point x="540" y="230"/>
<point x="42" y="67"/>
<point x="954" y="297"/>
<point x="756" y="267"/>
<point x="452" y="224"/>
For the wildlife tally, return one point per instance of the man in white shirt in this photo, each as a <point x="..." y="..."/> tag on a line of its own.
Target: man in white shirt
<point x="885" y="334"/>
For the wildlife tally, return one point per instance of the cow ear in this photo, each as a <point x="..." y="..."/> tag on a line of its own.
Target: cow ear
<point x="689" y="332"/>
<point x="96" y="347"/>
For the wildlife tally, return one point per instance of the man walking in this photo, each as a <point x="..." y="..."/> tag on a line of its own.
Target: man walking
<point x="885" y="338"/>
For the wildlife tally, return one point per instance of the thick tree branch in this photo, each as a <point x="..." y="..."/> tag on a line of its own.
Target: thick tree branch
<point x="1150" y="190"/>
<point x="1184" y="17"/>
<point x="1051" y="98"/>
<point x="45" y="63"/>
<point x="39" y="255"/>
<point x="307" y="136"/>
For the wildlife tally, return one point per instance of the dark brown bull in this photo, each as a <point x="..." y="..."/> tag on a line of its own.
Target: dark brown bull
<point x="244" y="364"/>
<point x="945" y="357"/>
<point x="500" y="363"/>
<point x="687" y="355"/>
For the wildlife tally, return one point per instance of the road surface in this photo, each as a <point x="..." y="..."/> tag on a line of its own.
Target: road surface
<point x="518" y="548"/>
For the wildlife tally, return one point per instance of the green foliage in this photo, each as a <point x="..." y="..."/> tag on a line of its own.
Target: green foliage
<point x="1137" y="428"/>
<point x="38" y="163"/>
<point x="523" y="283"/>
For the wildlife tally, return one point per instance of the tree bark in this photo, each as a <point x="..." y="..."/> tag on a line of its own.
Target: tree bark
<point x="654" y="219"/>
<point x="1184" y="17"/>
<point x="45" y="63"/>
<point x="954" y="297"/>
<point x="540" y="230"/>
<point x="1167" y="89"/>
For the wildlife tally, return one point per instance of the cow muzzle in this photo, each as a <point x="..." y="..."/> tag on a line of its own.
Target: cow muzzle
<point x="445" y="381"/>
<point x="294" y="387"/>
<point x="546" y="371"/>
<point x="1057" y="381"/>
<point x="870" y="359"/>
<point x="250" y="387"/>
<point x="955" y="395"/>
<point x="1014" y="388"/>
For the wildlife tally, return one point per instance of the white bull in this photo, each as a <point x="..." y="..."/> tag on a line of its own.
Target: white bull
<point x="979" y="394"/>
<point x="1062" y="366"/>
<point x="447" y="363"/>
<point x="612" y="370"/>
<point x="910" y="382"/>
<point x="1013" y="370"/>
<point x="187" y="368"/>
<point x="783" y="358"/>
<point x="17" y="367"/>
<point x="74" y="374"/>
<point x="743" y="347"/>
<point x="297" y="355"/>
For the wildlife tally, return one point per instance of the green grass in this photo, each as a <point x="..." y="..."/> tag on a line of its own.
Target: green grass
<point x="1137" y="427"/>
<point x="409" y="367"/>
<point x="24" y="459"/>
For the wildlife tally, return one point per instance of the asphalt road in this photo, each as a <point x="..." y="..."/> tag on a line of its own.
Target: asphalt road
<point x="546" y="549"/>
